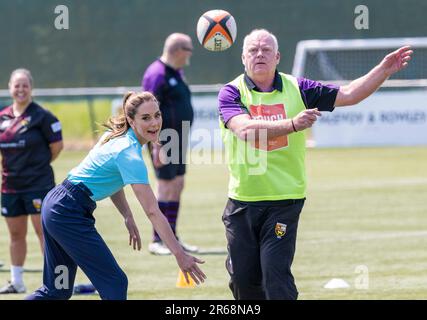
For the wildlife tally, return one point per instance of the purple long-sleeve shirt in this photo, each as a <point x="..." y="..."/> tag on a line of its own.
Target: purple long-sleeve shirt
<point x="313" y="93"/>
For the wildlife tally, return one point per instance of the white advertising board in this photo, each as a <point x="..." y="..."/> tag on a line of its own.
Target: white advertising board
<point x="384" y="119"/>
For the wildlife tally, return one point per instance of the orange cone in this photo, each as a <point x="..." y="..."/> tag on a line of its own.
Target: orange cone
<point x="182" y="283"/>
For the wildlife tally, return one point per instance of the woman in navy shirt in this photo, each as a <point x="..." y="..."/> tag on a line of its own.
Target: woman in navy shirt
<point x="30" y="139"/>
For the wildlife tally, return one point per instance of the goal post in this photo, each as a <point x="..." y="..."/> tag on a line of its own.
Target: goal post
<point x="345" y="60"/>
<point x="396" y="115"/>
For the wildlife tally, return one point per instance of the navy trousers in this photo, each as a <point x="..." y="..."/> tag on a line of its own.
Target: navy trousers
<point x="72" y="240"/>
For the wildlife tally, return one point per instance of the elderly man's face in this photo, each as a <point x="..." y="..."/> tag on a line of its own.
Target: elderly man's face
<point x="260" y="57"/>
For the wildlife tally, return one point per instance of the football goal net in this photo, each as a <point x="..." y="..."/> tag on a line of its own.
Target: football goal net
<point x="344" y="60"/>
<point x="399" y="106"/>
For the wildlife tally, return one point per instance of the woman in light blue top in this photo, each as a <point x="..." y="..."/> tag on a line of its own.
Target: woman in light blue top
<point x="71" y="239"/>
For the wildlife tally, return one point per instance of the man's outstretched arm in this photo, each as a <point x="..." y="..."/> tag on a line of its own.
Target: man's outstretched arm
<point x="363" y="87"/>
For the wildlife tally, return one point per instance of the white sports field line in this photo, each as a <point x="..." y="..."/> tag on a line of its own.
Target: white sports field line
<point x="378" y="183"/>
<point x="370" y="236"/>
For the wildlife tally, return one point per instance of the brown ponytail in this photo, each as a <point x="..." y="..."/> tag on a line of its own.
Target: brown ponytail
<point x="119" y="124"/>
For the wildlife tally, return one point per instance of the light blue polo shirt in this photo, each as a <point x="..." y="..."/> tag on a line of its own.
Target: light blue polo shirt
<point x="109" y="167"/>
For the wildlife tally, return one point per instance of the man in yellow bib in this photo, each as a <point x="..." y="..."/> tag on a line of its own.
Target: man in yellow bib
<point x="263" y="115"/>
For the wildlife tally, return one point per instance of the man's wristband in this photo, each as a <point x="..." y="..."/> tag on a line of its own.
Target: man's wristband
<point x="293" y="126"/>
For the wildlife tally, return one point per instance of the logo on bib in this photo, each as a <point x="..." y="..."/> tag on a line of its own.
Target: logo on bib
<point x="272" y="112"/>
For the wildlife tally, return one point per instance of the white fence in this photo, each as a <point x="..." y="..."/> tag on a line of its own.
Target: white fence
<point x="396" y="118"/>
<point x="204" y="103"/>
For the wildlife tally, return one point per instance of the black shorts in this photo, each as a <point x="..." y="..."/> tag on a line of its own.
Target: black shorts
<point x="19" y="204"/>
<point x="177" y="155"/>
<point x="170" y="171"/>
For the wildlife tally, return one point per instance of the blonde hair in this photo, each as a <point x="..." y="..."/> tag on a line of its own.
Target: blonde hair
<point x="25" y="72"/>
<point x="119" y="124"/>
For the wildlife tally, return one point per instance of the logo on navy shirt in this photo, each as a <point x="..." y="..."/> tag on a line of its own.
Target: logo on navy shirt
<point x="173" y="82"/>
<point x="5" y="124"/>
<point x="24" y="124"/>
<point x="56" y="126"/>
<point x="19" y="144"/>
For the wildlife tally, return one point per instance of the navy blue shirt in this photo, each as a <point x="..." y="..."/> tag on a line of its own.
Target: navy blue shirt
<point x="173" y="94"/>
<point x="24" y="146"/>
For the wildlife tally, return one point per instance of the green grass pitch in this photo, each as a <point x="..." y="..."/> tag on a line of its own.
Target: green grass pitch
<point x="365" y="210"/>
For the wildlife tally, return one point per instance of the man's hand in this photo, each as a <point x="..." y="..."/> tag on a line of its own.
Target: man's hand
<point x="305" y="119"/>
<point x="396" y="61"/>
<point x="134" y="238"/>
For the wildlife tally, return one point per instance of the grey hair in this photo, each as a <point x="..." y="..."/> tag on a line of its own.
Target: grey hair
<point x="257" y="31"/>
<point x="26" y="72"/>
